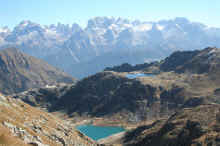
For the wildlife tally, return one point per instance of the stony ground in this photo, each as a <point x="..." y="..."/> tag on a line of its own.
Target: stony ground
<point x="21" y="124"/>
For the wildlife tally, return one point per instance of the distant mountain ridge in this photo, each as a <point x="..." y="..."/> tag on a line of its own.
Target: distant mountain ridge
<point x="107" y="39"/>
<point x="197" y="61"/>
<point x="19" y="72"/>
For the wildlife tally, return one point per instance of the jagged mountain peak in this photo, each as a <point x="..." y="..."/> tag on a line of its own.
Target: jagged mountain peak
<point x="26" y="24"/>
<point x="181" y="20"/>
<point x="100" y="22"/>
<point x="109" y="36"/>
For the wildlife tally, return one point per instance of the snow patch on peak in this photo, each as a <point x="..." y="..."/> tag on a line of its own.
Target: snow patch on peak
<point x="179" y="27"/>
<point x="50" y="32"/>
<point x="73" y="55"/>
<point x="2" y="41"/>
<point x="4" y="30"/>
<point x="113" y="26"/>
<point x="143" y="27"/>
<point x="214" y="50"/>
<point x="24" y="23"/>
<point x="127" y="25"/>
<point x="160" y="27"/>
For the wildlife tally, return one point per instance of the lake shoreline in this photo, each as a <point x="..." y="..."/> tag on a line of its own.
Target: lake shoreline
<point x="112" y="138"/>
<point x="99" y="132"/>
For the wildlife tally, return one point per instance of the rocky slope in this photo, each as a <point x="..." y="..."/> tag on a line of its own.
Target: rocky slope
<point x="198" y="126"/>
<point x="23" y="125"/>
<point x="19" y="72"/>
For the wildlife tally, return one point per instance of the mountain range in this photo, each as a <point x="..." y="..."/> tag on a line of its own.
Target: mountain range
<point x="107" y="41"/>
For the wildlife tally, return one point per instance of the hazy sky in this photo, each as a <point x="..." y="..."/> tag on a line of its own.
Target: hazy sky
<point x="79" y="11"/>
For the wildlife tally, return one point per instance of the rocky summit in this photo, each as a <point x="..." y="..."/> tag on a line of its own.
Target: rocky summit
<point x="19" y="72"/>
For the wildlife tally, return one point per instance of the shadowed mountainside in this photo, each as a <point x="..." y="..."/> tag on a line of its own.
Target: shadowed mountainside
<point x="19" y="72"/>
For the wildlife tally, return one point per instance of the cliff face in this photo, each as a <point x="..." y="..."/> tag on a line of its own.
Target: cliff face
<point x="19" y="72"/>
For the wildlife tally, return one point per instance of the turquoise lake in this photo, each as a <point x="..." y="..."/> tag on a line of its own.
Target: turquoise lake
<point x="99" y="132"/>
<point x="133" y="76"/>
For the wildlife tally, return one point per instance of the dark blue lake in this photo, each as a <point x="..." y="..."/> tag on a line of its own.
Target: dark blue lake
<point x="99" y="132"/>
<point x="133" y="76"/>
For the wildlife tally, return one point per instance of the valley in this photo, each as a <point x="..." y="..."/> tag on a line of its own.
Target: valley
<point x="145" y="101"/>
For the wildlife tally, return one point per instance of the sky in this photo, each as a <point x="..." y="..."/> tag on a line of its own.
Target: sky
<point x="45" y="12"/>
